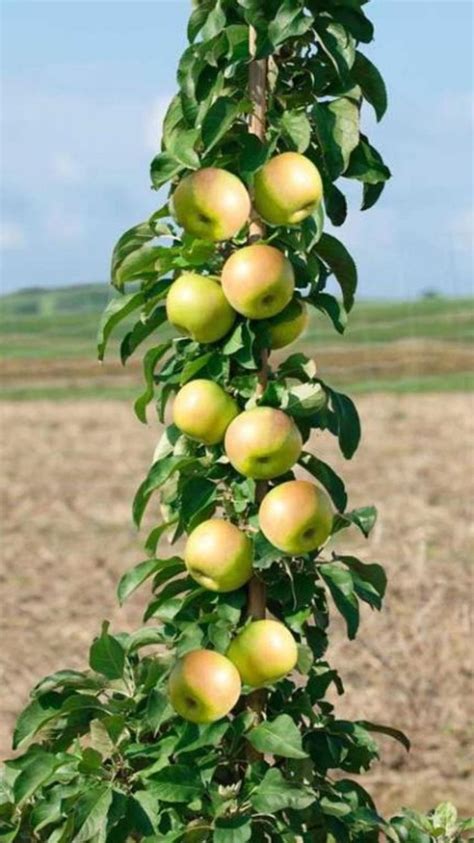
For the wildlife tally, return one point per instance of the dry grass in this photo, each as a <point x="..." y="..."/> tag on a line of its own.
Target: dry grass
<point x="69" y="472"/>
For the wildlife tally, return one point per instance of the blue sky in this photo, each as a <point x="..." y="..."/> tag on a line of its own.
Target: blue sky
<point x="85" y="85"/>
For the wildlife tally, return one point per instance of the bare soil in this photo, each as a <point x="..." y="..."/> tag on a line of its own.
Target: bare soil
<point x="69" y="472"/>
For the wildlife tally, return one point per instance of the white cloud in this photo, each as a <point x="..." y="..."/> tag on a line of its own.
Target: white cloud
<point x="153" y="124"/>
<point x="12" y="236"/>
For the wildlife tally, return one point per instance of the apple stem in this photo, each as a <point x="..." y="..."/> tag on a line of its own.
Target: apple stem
<point x="256" y="598"/>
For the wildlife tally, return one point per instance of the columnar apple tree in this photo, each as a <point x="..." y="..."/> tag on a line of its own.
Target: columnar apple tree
<point x="222" y="730"/>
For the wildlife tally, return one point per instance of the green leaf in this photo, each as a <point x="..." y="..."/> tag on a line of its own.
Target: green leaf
<point x="275" y="793"/>
<point x="8" y="831"/>
<point x="304" y="400"/>
<point x="46" y="811"/>
<point x="144" y="810"/>
<point x="66" y="679"/>
<point x="265" y="552"/>
<point x="107" y="655"/>
<point x="141" y="330"/>
<point x="158" y="711"/>
<point x="289" y="22"/>
<point x="130" y="242"/>
<point x="341" y="264"/>
<point x="371" y="84"/>
<point x="236" y="829"/>
<point x="347" y="422"/>
<point x="195" y="737"/>
<point x="278" y="737"/>
<point x="218" y="120"/>
<point x="238" y="40"/>
<point x="181" y="146"/>
<point x="198" y="501"/>
<point x="386" y="730"/>
<point x="337" y="129"/>
<point x="167" y="604"/>
<point x="91" y="761"/>
<point x="466" y="825"/>
<point x="370" y="581"/>
<point x="331" y="307"/>
<point x="367" y="165"/>
<point x="327" y="477"/>
<point x="36" y="715"/>
<point x="298" y="366"/>
<point x="192" y="367"/>
<point x="176" y="784"/>
<point x="363" y="518"/>
<point x="150" y="361"/>
<point x="215" y="22"/>
<point x="241" y="346"/>
<point x="356" y="23"/>
<point x="90" y="812"/>
<point x="136" y="576"/>
<point x="371" y="194"/>
<point x="145" y="636"/>
<point x="35" y="775"/>
<point x="341" y="586"/>
<point x="116" y="311"/>
<point x="159" y="473"/>
<point x="164" y="167"/>
<point x="197" y="19"/>
<point x="296" y="128"/>
<point x="338" y="45"/>
<point x="253" y="154"/>
<point x="334" y="808"/>
<point x="335" y="203"/>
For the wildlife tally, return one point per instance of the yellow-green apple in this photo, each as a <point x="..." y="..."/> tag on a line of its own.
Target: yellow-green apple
<point x="219" y="556"/>
<point x="287" y="189"/>
<point x="198" y="308"/>
<point x="258" y="281"/>
<point x="211" y="204"/>
<point x="203" y="411"/>
<point x="263" y="443"/>
<point x="296" y="517"/>
<point x="204" y="686"/>
<point x="288" y="325"/>
<point x="263" y="652"/>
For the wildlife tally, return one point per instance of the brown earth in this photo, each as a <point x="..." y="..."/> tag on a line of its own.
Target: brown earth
<point x="413" y="357"/>
<point x="69" y="472"/>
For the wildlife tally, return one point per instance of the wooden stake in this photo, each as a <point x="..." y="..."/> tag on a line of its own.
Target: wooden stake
<point x="256" y="600"/>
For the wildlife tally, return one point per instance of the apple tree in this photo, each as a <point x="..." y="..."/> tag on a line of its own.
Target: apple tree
<point x="211" y="722"/>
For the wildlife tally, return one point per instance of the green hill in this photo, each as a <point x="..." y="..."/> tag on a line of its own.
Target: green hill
<point x="408" y="345"/>
<point x="40" y="301"/>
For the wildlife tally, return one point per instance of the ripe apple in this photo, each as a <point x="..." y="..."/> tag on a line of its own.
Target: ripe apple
<point x="263" y="652"/>
<point x="198" y="308"/>
<point x="288" y="325"/>
<point x="296" y="517"/>
<point x="219" y="556"/>
<point x="287" y="189"/>
<point x="263" y="443"/>
<point x="204" y="686"/>
<point x="203" y="411"/>
<point x="258" y="281"/>
<point x="211" y="204"/>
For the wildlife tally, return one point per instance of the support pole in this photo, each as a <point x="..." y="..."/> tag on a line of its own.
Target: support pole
<point x="256" y="598"/>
